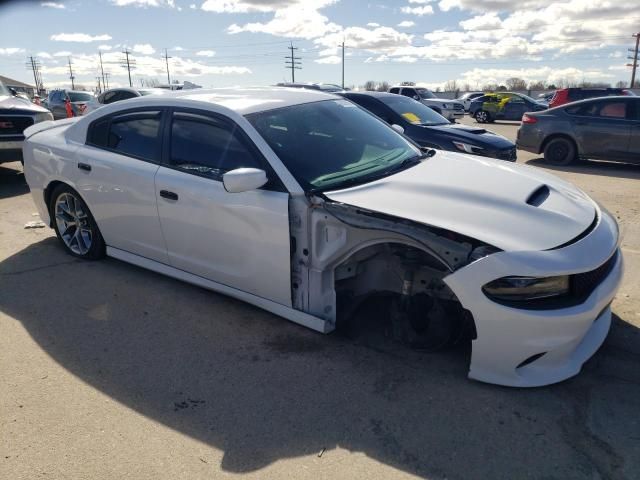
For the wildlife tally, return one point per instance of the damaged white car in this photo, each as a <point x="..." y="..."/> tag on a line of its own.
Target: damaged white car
<point x="306" y="205"/>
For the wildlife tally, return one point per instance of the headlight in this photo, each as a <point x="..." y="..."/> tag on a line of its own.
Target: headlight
<point x="467" y="147"/>
<point x="527" y="288"/>
<point x="445" y="105"/>
<point x="43" y="116"/>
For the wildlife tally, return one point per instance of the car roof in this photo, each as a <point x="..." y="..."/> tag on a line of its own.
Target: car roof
<point x="369" y="93"/>
<point x="243" y="100"/>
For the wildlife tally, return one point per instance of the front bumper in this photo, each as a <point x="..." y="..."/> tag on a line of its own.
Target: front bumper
<point x="567" y="337"/>
<point x="452" y="114"/>
<point x="11" y="149"/>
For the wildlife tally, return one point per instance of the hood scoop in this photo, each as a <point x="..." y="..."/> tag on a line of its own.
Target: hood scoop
<point x="538" y="196"/>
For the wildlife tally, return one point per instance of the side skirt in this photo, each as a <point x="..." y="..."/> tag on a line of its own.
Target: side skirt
<point x="296" y="316"/>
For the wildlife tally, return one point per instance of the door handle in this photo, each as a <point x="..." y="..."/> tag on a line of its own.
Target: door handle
<point x="84" y="166"/>
<point x="168" y="195"/>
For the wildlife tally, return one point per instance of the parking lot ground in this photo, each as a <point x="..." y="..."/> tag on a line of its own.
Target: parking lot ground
<point x="109" y="371"/>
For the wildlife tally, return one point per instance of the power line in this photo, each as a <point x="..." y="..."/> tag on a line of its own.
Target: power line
<point x="166" y="60"/>
<point x="128" y="64"/>
<point x="293" y="62"/>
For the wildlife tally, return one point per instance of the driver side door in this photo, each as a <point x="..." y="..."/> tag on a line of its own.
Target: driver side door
<point x="237" y="239"/>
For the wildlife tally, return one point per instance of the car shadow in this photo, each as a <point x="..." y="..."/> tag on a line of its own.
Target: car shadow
<point x="262" y="389"/>
<point x="12" y="182"/>
<point x="593" y="167"/>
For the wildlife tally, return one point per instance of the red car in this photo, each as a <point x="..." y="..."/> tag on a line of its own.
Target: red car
<point x="568" y="95"/>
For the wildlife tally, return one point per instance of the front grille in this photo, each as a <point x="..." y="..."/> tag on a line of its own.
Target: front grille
<point x="583" y="284"/>
<point x="509" y="155"/>
<point x="458" y="106"/>
<point x="14" y="125"/>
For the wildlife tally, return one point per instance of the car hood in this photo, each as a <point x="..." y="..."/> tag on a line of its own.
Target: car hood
<point x="512" y="207"/>
<point x="475" y="135"/>
<point x="16" y="103"/>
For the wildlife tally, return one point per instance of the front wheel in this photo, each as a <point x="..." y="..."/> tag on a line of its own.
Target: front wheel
<point x="74" y="225"/>
<point x="482" y="116"/>
<point x="560" y="151"/>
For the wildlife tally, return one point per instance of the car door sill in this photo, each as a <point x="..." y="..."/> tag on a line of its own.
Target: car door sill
<point x="296" y="316"/>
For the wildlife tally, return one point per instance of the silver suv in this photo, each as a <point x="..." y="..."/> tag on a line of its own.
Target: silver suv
<point x="449" y="109"/>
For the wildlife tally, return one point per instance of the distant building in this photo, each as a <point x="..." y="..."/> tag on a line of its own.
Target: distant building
<point x="19" y="86"/>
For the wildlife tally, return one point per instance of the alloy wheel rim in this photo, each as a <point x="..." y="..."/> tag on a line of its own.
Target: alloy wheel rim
<point x="73" y="224"/>
<point x="482" y="116"/>
<point x="560" y="152"/>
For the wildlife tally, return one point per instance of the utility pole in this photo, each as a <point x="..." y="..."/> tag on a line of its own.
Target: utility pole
<point x="634" y="65"/>
<point x="128" y="64"/>
<point x="166" y="61"/>
<point x="293" y="62"/>
<point x="73" y="85"/>
<point x="106" y="80"/>
<point x="101" y="69"/>
<point x="343" y="64"/>
<point x="99" y="86"/>
<point x="34" y="65"/>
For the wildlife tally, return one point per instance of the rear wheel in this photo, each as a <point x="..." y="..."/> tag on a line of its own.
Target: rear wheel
<point x="483" y="116"/>
<point x="560" y="151"/>
<point x="74" y="225"/>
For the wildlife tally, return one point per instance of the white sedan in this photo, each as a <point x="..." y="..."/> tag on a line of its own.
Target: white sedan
<point x="304" y="204"/>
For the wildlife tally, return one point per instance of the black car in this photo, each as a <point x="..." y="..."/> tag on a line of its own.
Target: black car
<point x="603" y="128"/>
<point x="430" y="129"/>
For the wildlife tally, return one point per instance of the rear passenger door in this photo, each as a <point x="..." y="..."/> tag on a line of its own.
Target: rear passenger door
<point x="237" y="239"/>
<point x="514" y="108"/>
<point x="116" y="173"/>
<point x="634" y="135"/>
<point x="602" y="128"/>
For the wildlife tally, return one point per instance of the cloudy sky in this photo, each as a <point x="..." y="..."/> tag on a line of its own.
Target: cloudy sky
<point x="244" y="42"/>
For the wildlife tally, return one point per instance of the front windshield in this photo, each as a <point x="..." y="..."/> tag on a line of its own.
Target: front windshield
<point x="424" y="93"/>
<point x="333" y="144"/>
<point x="80" y="96"/>
<point x="412" y="111"/>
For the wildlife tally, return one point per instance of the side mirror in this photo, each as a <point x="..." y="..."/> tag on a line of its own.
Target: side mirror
<point x="416" y="97"/>
<point x="244" y="179"/>
<point x="398" y="128"/>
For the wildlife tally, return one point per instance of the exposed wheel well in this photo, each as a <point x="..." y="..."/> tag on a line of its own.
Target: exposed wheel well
<point x="48" y="191"/>
<point x="558" y="135"/>
<point x="421" y="309"/>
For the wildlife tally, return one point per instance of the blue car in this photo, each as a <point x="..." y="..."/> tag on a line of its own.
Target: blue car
<point x="430" y="129"/>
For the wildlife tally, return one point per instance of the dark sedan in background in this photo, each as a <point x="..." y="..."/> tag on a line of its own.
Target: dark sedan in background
<point x="429" y="129"/>
<point x="602" y="128"/>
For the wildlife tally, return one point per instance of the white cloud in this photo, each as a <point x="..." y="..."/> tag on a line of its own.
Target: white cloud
<point x="482" y="22"/>
<point x="546" y="74"/>
<point x="44" y="55"/>
<point x="144" y="3"/>
<point x="331" y="59"/>
<point x="57" y="5"/>
<point x="298" y="19"/>
<point x="62" y="54"/>
<point x="419" y="11"/>
<point x="79" y="37"/>
<point x="105" y="48"/>
<point x="178" y="49"/>
<point x="144" y="49"/>
<point x="406" y="24"/>
<point x="11" y="50"/>
<point x="205" y="53"/>
<point x="193" y="6"/>
<point x="373" y="24"/>
<point x="252" y="6"/>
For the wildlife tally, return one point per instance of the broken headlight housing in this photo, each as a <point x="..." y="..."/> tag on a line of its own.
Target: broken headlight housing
<point x="520" y="289"/>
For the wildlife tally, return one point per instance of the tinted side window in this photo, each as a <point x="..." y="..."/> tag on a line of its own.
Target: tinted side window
<point x="136" y="134"/>
<point x="373" y="106"/>
<point x="615" y="109"/>
<point x="204" y="145"/>
<point x="126" y="96"/>
<point x="408" y="92"/>
<point x="109" y="97"/>
<point x="394" y="90"/>
<point x="98" y="133"/>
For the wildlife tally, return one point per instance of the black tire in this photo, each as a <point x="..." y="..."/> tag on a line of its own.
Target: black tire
<point x="559" y="151"/>
<point x="67" y="214"/>
<point x="482" y="116"/>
